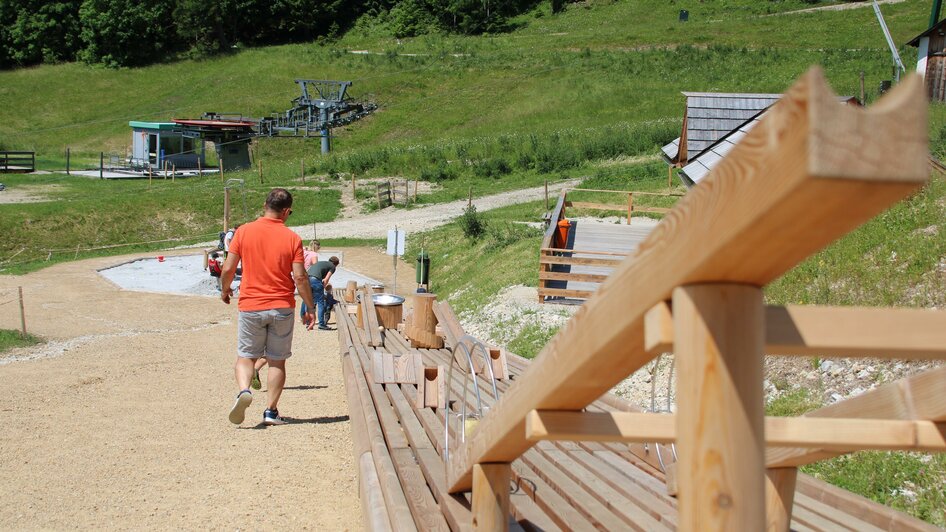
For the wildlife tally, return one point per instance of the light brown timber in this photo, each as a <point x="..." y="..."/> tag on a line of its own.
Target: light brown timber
<point x="491" y="496"/>
<point x="809" y="154"/>
<point x="779" y="496"/>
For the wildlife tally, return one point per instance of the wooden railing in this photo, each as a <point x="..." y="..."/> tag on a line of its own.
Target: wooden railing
<point x="17" y="161"/>
<point x="810" y="172"/>
<point x="554" y="252"/>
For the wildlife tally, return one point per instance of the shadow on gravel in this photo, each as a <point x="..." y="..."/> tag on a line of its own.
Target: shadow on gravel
<point x="300" y="421"/>
<point x="305" y="387"/>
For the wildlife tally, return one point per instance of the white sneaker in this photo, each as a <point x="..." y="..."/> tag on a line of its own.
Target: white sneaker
<point x="238" y="412"/>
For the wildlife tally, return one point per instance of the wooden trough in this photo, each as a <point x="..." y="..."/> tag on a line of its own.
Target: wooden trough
<point x="555" y="451"/>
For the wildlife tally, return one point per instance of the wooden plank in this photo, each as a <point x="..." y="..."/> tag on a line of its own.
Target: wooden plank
<point x="578" y="261"/>
<point x="789" y="163"/>
<point x="561" y="292"/>
<point x="370" y="317"/>
<point x="421" y="501"/>
<point x="833" y="514"/>
<point x="840" y="434"/>
<point x="917" y="397"/>
<point x="916" y="334"/>
<point x="387" y="360"/>
<point x="447" y="319"/>
<point x="557" y="214"/>
<point x="596" y="206"/>
<point x="617" y="254"/>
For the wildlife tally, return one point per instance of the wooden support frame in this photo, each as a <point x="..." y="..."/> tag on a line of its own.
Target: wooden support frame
<point x="740" y="225"/>
<point x="838" y="434"/>
<point x="915" y="334"/>
<point x="491" y="496"/>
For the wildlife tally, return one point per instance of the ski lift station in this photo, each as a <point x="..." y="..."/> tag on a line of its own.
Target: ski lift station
<point x="157" y="143"/>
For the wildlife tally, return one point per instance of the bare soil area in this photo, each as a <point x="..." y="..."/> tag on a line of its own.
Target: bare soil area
<point x="120" y="419"/>
<point x="27" y="194"/>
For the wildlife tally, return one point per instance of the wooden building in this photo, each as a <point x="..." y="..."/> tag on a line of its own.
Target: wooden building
<point x="931" y="59"/>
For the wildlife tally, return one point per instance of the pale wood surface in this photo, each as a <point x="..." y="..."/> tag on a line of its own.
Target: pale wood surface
<point x="779" y="497"/>
<point x="915" y="334"/>
<point x="741" y="224"/>
<point x="491" y="496"/>
<point x="720" y="441"/>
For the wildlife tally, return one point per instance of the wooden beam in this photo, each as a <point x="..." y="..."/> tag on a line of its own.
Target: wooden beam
<point x="779" y="496"/>
<point x="491" y="496"/>
<point x="718" y="332"/>
<point x="836" y="164"/>
<point x="580" y="261"/>
<point x="915" y="334"/>
<point x="579" y="277"/>
<point x="562" y="292"/>
<point x="918" y="397"/>
<point x="838" y="434"/>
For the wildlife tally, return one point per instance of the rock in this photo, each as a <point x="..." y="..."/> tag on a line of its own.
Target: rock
<point x="835" y="370"/>
<point x="826" y="366"/>
<point x="857" y="391"/>
<point x="863" y="374"/>
<point x="835" y="397"/>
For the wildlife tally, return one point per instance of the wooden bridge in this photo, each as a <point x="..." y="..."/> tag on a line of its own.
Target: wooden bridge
<point x="450" y="433"/>
<point x="577" y="256"/>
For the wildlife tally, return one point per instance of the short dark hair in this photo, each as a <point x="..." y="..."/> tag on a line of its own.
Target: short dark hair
<point x="278" y="199"/>
<point x="334" y="260"/>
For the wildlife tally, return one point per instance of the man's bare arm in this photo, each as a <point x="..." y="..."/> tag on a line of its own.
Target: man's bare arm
<point x="227" y="272"/>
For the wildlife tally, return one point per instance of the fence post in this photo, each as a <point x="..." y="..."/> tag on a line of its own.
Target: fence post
<point x="546" y="194"/>
<point x="260" y="161"/>
<point x="353" y="195"/>
<point x="200" y="171"/>
<point x="630" y="206"/>
<point x="863" y="96"/>
<point x="416" y="183"/>
<point x="173" y="172"/>
<point x="469" y="202"/>
<point x="101" y="165"/>
<point x="226" y="209"/>
<point x="22" y="313"/>
<point x="149" y="175"/>
<point x="302" y="169"/>
<point x="719" y="339"/>
<point x="407" y="191"/>
<point x="68" y="154"/>
<point x="221" y="169"/>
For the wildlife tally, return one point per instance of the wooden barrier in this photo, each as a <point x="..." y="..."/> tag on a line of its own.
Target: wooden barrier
<point x="733" y="234"/>
<point x="15" y="162"/>
<point x="383" y="192"/>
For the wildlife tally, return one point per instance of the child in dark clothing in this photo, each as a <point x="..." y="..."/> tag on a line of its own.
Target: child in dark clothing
<point x="329" y="301"/>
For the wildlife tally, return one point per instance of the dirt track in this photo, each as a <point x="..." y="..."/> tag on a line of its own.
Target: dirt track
<point x="120" y="420"/>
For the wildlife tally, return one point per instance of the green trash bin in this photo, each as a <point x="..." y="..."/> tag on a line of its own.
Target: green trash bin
<point x="423" y="268"/>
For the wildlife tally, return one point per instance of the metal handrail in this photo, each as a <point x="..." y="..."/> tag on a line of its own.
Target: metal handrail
<point x="468" y="351"/>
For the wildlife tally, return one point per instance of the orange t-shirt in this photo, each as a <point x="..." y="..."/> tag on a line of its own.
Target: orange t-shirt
<point x="267" y="249"/>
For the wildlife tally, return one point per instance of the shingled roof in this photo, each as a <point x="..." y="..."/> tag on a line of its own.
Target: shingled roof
<point x="711" y="115"/>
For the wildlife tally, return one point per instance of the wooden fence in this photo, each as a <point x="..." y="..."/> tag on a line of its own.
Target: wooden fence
<point x="810" y="172"/>
<point x="554" y="251"/>
<point x="395" y="192"/>
<point x="15" y="162"/>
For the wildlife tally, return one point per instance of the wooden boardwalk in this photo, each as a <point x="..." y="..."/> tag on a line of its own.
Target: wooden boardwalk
<point x="594" y="240"/>
<point x="399" y="450"/>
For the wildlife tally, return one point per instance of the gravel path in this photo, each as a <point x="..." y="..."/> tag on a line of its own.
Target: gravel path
<point x="120" y="420"/>
<point x="376" y="224"/>
<point x="836" y="7"/>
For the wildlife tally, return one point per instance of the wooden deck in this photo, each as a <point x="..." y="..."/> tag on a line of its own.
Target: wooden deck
<point x="554" y="486"/>
<point x="592" y="240"/>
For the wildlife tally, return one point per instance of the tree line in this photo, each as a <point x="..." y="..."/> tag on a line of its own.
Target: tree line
<point x="127" y="33"/>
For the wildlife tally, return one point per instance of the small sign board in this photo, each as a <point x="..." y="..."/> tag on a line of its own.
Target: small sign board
<point x="396" y="242"/>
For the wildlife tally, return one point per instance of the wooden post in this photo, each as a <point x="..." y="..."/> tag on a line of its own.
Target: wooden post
<point x="719" y="338"/>
<point x="353" y="186"/>
<point x="407" y="191"/>
<point x="469" y="202"/>
<point x="200" y="171"/>
<point x="779" y="495"/>
<point x="350" y="290"/>
<point x="149" y="175"/>
<point x="669" y="178"/>
<point x="862" y="89"/>
<point x="22" y="313"/>
<point x="101" y="165"/>
<point x="260" y="161"/>
<point x="221" y="169"/>
<point x="67" y="161"/>
<point x="226" y="209"/>
<point x="416" y="184"/>
<point x="173" y="172"/>
<point x="165" y="170"/>
<point x="491" y="496"/>
<point x="630" y="206"/>
<point x="546" y="194"/>
<point x="302" y="169"/>
<point x="422" y="329"/>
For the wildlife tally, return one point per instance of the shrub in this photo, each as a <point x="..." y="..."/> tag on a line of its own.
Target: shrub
<point x="438" y="173"/>
<point x="472" y="223"/>
<point x="493" y="167"/>
<point x="508" y="233"/>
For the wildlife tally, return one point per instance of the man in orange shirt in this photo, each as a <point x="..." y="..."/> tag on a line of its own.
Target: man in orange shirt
<point x="272" y="270"/>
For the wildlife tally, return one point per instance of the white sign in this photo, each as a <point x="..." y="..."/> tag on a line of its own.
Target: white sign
<point x="396" y="242"/>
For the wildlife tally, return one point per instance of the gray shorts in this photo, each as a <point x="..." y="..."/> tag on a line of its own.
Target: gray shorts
<point x="265" y="333"/>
